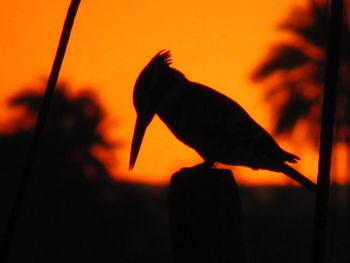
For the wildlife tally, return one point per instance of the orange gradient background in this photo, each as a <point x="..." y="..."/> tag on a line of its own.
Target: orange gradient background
<point x="217" y="43"/>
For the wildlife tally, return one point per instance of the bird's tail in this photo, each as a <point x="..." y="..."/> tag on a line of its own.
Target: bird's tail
<point x="295" y="175"/>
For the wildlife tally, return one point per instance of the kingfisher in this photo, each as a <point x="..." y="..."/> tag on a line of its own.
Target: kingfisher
<point x="214" y="125"/>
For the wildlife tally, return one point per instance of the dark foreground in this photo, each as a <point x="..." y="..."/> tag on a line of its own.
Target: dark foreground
<point x="119" y="222"/>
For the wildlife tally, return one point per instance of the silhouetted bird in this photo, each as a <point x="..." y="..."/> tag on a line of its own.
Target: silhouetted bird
<point x="217" y="127"/>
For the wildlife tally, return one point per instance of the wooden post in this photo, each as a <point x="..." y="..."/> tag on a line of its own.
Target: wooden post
<point x="205" y="217"/>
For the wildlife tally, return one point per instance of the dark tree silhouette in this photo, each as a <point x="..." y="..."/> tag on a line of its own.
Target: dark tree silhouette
<point x="296" y="68"/>
<point x="73" y="210"/>
<point x="72" y="132"/>
<point x="66" y="158"/>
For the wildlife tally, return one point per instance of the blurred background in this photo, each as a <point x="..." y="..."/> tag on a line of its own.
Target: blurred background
<point x="83" y="204"/>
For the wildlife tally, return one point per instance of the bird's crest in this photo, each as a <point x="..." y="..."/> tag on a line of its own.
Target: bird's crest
<point x="161" y="59"/>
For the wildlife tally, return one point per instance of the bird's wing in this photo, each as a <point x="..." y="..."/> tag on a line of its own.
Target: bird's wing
<point x="211" y="120"/>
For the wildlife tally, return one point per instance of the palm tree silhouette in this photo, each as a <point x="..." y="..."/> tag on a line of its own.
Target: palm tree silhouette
<point x="296" y="68"/>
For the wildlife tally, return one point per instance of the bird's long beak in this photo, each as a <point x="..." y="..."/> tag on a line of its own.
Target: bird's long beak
<point x="139" y="132"/>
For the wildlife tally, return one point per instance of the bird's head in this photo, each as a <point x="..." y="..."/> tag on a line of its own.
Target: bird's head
<point x="148" y="91"/>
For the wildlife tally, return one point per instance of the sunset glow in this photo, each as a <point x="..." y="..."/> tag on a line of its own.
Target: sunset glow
<point x="217" y="43"/>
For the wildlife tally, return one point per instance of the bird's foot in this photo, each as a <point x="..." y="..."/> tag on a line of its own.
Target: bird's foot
<point x="205" y="165"/>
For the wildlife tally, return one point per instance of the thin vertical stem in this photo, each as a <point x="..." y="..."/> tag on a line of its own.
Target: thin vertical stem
<point x="326" y="138"/>
<point x="38" y="130"/>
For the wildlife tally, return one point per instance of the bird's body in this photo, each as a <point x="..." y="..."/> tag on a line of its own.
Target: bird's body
<point x="217" y="127"/>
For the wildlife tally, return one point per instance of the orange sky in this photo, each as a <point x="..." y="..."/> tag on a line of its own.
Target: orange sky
<point x="217" y="43"/>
